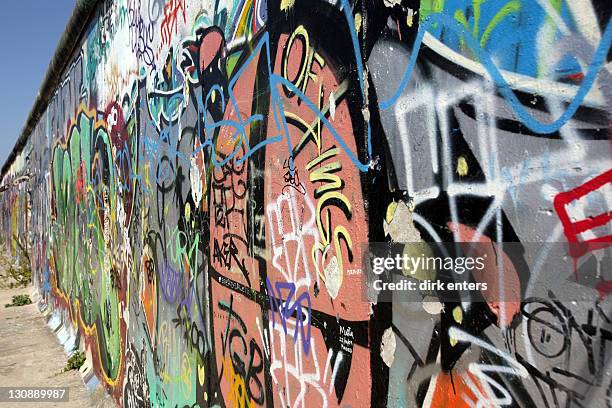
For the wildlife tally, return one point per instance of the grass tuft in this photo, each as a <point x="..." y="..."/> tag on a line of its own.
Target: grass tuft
<point x="19" y="300"/>
<point x="76" y="361"/>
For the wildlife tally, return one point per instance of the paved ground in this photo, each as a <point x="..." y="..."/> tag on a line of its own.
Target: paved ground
<point x="31" y="356"/>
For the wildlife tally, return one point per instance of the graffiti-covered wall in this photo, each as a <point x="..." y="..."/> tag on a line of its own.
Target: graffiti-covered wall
<point x="15" y="206"/>
<point x="206" y="174"/>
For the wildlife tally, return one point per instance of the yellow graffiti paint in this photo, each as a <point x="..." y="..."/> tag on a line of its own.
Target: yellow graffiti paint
<point x="462" y="166"/>
<point x="390" y="212"/>
<point x="358" y="20"/>
<point x="458" y="314"/>
<point x="238" y="396"/>
<point x="286" y="4"/>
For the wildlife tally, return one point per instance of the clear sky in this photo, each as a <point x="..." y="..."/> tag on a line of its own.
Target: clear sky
<point x="29" y="33"/>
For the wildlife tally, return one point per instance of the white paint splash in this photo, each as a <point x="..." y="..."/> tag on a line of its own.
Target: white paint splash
<point x="387" y="347"/>
<point x="196" y="181"/>
<point x="332" y="105"/>
<point x="332" y="277"/>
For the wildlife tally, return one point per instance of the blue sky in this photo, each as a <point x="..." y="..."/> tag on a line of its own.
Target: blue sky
<point x="29" y="33"/>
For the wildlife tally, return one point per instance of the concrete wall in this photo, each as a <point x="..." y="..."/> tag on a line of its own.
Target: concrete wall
<point x="16" y="204"/>
<point x="201" y="161"/>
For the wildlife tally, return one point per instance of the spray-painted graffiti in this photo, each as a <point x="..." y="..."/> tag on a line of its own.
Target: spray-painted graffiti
<point x="197" y="194"/>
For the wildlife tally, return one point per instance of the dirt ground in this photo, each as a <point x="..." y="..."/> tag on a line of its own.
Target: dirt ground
<point x="31" y="356"/>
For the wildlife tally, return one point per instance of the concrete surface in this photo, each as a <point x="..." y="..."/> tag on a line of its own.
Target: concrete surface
<point x="31" y="356"/>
